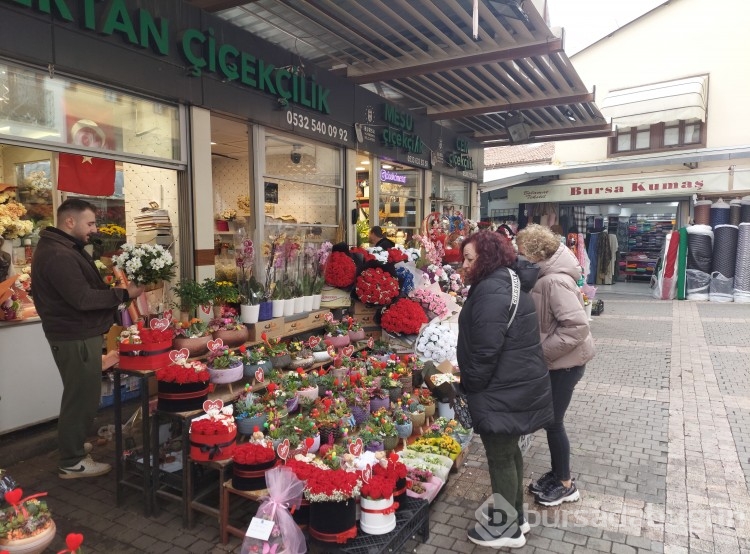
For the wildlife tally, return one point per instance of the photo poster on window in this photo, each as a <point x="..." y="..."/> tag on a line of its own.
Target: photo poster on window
<point x="271" y="193"/>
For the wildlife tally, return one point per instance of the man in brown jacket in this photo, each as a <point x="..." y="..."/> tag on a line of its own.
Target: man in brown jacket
<point x="76" y="308"/>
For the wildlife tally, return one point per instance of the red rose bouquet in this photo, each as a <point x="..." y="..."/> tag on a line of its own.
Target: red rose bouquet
<point x="340" y="270"/>
<point x="209" y="426"/>
<point x="405" y="316"/>
<point x="375" y="286"/>
<point x="189" y="372"/>
<point x="395" y="256"/>
<point x="379" y="487"/>
<point x="253" y="454"/>
<point x="322" y="485"/>
<point x="366" y="256"/>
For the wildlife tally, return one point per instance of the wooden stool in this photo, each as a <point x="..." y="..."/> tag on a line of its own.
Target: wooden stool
<point x="224" y="527"/>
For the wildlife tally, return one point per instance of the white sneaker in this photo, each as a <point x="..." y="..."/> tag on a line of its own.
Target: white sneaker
<point x="85" y="468"/>
<point x="88" y="447"/>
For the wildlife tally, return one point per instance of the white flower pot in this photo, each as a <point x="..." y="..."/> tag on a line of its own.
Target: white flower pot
<point x="299" y="305"/>
<point x="377" y="523"/>
<point x="316" y="301"/>
<point x="249" y="314"/>
<point x="444" y="410"/>
<point x="278" y="308"/>
<point x="307" y="302"/>
<point x="289" y="306"/>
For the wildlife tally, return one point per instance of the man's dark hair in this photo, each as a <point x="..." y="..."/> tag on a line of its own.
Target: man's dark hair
<point x="74" y="205"/>
<point x="377" y="231"/>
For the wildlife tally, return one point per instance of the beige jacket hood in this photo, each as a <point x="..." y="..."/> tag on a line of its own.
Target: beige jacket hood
<point x="563" y="323"/>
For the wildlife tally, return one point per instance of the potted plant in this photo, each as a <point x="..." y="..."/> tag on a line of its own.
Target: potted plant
<point x="193" y="335"/>
<point x="354" y="329"/>
<point x="337" y="332"/>
<point x="277" y="352"/>
<point x="250" y="297"/>
<point x="379" y="399"/>
<point x="427" y="400"/>
<point x="221" y="293"/>
<point x="25" y="522"/>
<point x="228" y="327"/>
<point x="192" y="295"/>
<point x="383" y="421"/>
<point x="254" y="358"/>
<point x="371" y="437"/>
<point x="390" y="383"/>
<point x="319" y="349"/>
<point x="224" y="364"/>
<point x="301" y="353"/>
<point x="249" y="413"/>
<point x="403" y="424"/>
<point x="301" y="383"/>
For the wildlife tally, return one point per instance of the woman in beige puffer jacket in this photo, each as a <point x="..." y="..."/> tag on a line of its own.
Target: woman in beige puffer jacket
<point x="567" y="344"/>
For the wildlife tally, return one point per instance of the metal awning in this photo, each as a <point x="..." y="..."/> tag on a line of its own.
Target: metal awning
<point x="421" y="54"/>
<point x="681" y="99"/>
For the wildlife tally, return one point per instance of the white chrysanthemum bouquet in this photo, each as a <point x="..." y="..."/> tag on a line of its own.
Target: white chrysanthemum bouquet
<point x="145" y="263"/>
<point x="437" y="342"/>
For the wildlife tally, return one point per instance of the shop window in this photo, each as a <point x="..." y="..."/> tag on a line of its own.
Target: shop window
<point x="451" y="196"/>
<point x="399" y="212"/>
<point x="658" y="137"/>
<point x="61" y="111"/>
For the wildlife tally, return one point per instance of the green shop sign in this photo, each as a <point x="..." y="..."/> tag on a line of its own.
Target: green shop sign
<point x="460" y="159"/>
<point x="198" y="47"/>
<point x="402" y="136"/>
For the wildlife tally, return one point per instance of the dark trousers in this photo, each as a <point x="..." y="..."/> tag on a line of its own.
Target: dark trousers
<point x="506" y="471"/>
<point x="564" y="382"/>
<point x="80" y="365"/>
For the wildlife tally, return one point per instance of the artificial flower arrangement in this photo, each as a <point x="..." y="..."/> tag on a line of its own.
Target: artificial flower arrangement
<point x="448" y="279"/>
<point x="430" y="301"/>
<point x="298" y="380"/>
<point x="437" y="343"/>
<point x="405" y="316"/>
<point x="229" y="320"/>
<point x="273" y="347"/>
<point x="191" y="329"/>
<point x="252" y="356"/>
<point x="379" y="487"/>
<point x="252" y="453"/>
<point x="138" y="333"/>
<point x="144" y="264"/>
<point x="365" y="253"/>
<point x="23" y="517"/>
<point x="11" y="212"/>
<point x="383" y="421"/>
<point x="183" y="371"/>
<point x="375" y="286"/>
<point x="222" y="357"/>
<point x="326" y="485"/>
<point x="227" y="214"/>
<point x="335" y="327"/>
<point x="340" y="270"/>
<point x="248" y="405"/>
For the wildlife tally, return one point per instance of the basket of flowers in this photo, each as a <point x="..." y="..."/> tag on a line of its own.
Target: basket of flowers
<point x="212" y="435"/>
<point x="224" y="364"/>
<point x="403" y="317"/>
<point x="145" y="348"/>
<point x="182" y="385"/>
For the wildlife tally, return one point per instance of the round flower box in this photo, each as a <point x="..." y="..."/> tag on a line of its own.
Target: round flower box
<point x="404" y="431"/>
<point x="395" y="393"/>
<point x="310" y="393"/>
<point x="234" y="337"/>
<point x="417" y="418"/>
<point x="375" y="446"/>
<point x="246" y="425"/>
<point x="379" y="403"/>
<point x="378" y="516"/>
<point x="399" y="495"/>
<point x="339" y="341"/>
<point x="250" y="369"/>
<point x="302" y="515"/>
<point x="333" y="521"/>
<point x="390" y="442"/>
<point x="181" y="397"/>
<point x="204" y="448"/>
<point x="320" y="357"/>
<point x="354" y="336"/>
<point x="304" y="363"/>
<point x="228" y="375"/>
<point x="429" y="409"/>
<point x="30" y="545"/>
<point x="196" y="347"/>
<point x="246" y="477"/>
<point x="281" y="362"/>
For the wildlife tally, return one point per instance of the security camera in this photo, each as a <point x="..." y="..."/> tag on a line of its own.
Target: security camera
<point x="296" y="157"/>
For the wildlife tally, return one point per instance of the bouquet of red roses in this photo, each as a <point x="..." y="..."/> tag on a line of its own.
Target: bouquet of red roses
<point x="208" y="427"/>
<point x="375" y="286"/>
<point x="326" y="484"/>
<point x="405" y="317"/>
<point x="190" y="372"/>
<point x="340" y="270"/>
<point x="379" y="487"/>
<point x="253" y="454"/>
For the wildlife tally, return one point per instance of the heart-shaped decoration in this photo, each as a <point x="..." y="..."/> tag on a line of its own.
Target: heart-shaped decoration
<point x="355" y="448"/>
<point x="213" y="405"/>
<point x="348" y="351"/>
<point x="259" y="376"/>
<point x="283" y="449"/>
<point x="206" y="309"/>
<point x="328" y="317"/>
<point x="370" y="342"/>
<point x="215" y="345"/>
<point x="74" y="541"/>
<point x="331" y="351"/>
<point x="14" y="496"/>
<point x="179" y="355"/>
<point x="168" y="314"/>
<point x="313" y="341"/>
<point x="159" y="324"/>
<point x="367" y="473"/>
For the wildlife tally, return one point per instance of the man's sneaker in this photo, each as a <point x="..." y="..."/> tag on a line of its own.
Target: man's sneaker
<point x="538" y="486"/>
<point x="88" y="447"/>
<point x="487" y="536"/>
<point x="557" y="494"/>
<point x="523" y="525"/>
<point x="85" y="468"/>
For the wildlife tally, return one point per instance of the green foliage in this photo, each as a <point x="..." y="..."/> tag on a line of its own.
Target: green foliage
<point x="191" y="294"/>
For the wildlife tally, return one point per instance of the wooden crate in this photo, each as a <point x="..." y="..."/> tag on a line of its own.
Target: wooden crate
<point x="460" y="459"/>
<point x="359" y="309"/>
<point x="274" y="328"/>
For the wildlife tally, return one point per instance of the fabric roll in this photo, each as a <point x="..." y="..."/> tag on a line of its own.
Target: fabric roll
<point x="735" y="211"/>
<point x="681" y="264"/>
<point x="745" y="211"/>
<point x="700" y="248"/>
<point x="702" y="212"/>
<point x="719" y="213"/>
<point x="725" y="249"/>
<point x="697" y="284"/>
<point x="742" y="265"/>
<point x="668" y="276"/>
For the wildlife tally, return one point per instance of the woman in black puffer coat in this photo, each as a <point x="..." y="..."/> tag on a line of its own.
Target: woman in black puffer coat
<point x="504" y="376"/>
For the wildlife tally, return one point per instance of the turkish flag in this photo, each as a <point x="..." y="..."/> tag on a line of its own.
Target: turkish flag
<point x="86" y="175"/>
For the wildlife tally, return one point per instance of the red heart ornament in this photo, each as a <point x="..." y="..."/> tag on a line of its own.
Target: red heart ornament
<point x="367" y="473"/>
<point x="14" y="496"/>
<point x="179" y="355"/>
<point x="209" y="405"/>
<point x="215" y="344"/>
<point x="74" y="541"/>
<point x="313" y="341"/>
<point x="206" y="309"/>
<point x="283" y="449"/>
<point x="331" y="351"/>
<point x="347" y="351"/>
<point x="328" y="317"/>
<point x="370" y="342"/>
<point x="355" y="448"/>
<point x="159" y="324"/>
<point x="309" y="441"/>
<point x="259" y="375"/>
<point x="168" y="314"/>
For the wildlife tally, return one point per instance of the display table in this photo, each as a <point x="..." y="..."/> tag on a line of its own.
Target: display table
<point x="412" y="519"/>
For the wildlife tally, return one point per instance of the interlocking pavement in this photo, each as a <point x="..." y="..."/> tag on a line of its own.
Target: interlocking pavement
<point x="660" y="439"/>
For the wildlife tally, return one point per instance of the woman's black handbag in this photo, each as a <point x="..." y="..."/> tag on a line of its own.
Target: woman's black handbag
<point x="461" y="411"/>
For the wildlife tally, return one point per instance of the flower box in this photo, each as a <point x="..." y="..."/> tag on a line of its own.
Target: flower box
<point x="432" y="488"/>
<point x="181" y="397"/>
<point x="246" y="477"/>
<point x="145" y="356"/>
<point x="333" y="522"/>
<point x="204" y="448"/>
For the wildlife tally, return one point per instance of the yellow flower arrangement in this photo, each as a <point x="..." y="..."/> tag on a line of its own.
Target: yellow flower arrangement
<point x="112" y="229"/>
<point x="443" y="445"/>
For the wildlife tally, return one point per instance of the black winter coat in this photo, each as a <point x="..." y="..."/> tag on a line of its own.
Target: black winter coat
<point x="503" y="370"/>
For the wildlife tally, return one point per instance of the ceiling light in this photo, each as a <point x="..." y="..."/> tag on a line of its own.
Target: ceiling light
<point x="386" y="166"/>
<point x="365" y="162"/>
<point x="213" y="143"/>
<point x="359" y="168"/>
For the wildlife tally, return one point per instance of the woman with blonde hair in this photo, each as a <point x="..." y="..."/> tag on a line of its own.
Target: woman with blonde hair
<point x="567" y="345"/>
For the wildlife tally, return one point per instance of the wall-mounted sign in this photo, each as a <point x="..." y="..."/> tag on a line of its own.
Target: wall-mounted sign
<point x="642" y="187"/>
<point x="392" y="177"/>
